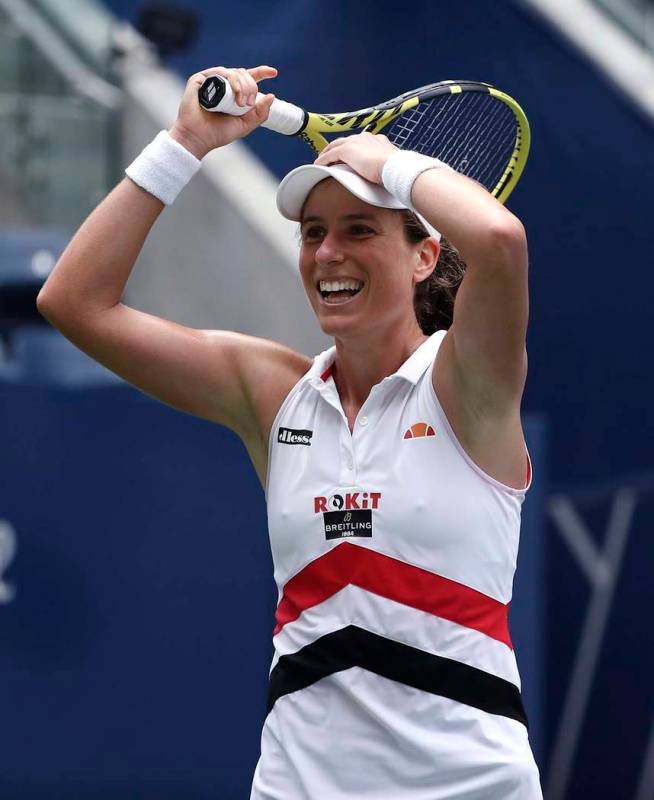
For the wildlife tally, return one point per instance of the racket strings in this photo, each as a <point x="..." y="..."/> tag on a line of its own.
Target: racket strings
<point x="500" y="136"/>
<point x="473" y="132"/>
<point x="477" y="116"/>
<point x="469" y="127"/>
<point x="408" y="133"/>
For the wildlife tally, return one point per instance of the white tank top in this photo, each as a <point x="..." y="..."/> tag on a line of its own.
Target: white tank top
<point x="393" y="675"/>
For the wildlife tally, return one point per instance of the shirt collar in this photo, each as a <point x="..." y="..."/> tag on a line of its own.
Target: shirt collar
<point x="320" y="373"/>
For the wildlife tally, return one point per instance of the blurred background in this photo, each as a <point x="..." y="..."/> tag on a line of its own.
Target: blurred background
<point x="136" y="589"/>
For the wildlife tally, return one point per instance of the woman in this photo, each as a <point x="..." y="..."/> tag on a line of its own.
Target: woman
<point x="393" y="674"/>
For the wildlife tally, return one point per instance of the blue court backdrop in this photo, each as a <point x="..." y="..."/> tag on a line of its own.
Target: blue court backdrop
<point x="136" y="647"/>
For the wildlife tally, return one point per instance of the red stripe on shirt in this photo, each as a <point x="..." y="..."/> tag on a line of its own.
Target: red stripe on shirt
<point x="396" y="580"/>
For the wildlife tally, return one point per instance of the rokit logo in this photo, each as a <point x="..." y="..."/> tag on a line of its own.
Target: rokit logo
<point x="292" y="436"/>
<point x="347" y="514"/>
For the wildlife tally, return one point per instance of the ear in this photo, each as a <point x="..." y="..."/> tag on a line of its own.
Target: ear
<point x="426" y="258"/>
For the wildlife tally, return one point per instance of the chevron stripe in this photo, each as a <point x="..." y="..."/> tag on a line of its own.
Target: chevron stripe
<point x="389" y="577"/>
<point x="398" y="622"/>
<point x="354" y="647"/>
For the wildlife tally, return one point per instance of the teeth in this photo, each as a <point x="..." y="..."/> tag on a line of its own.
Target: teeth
<point x="336" y="286"/>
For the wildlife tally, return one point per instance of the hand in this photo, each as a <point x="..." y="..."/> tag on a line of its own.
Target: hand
<point x="366" y="153"/>
<point x="200" y="131"/>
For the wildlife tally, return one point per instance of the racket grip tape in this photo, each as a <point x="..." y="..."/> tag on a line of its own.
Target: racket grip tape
<point x="216" y="94"/>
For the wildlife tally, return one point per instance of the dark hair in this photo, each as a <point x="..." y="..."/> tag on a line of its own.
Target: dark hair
<point x="433" y="300"/>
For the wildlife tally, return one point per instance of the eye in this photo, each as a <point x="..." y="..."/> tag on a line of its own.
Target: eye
<point x="313" y="232"/>
<point x="359" y="230"/>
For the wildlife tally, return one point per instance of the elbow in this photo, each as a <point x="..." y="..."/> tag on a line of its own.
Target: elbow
<point x="40" y="303"/>
<point x="43" y="305"/>
<point x="508" y="239"/>
<point x="48" y="309"/>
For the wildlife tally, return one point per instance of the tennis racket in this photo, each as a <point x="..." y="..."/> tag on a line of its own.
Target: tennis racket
<point x="475" y="128"/>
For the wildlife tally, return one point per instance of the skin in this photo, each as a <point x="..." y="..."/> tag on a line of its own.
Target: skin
<point x="240" y="381"/>
<point x="377" y="331"/>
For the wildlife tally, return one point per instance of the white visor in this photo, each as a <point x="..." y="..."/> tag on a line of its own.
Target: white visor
<point x="295" y="187"/>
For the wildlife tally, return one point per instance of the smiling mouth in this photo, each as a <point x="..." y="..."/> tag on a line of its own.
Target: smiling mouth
<point x="337" y="296"/>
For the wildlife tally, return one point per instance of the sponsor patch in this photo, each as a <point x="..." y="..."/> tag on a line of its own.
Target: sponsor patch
<point x="347" y="513"/>
<point x="343" y="524"/>
<point x="293" y="436"/>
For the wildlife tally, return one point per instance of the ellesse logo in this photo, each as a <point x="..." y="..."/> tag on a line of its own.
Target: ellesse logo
<point x="292" y="436"/>
<point x="418" y="430"/>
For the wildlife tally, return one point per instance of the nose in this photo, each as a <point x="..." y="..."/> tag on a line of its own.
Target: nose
<point x="330" y="250"/>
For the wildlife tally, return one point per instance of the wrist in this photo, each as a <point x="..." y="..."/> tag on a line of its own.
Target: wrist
<point x="163" y="168"/>
<point x="189" y="142"/>
<point x="401" y="170"/>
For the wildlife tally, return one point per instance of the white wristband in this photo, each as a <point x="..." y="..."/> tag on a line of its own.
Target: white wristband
<point x="401" y="170"/>
<point x="163" y="168"/>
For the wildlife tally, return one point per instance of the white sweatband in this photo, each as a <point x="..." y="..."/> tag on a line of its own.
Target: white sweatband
<point x="163" y="168"/>
<point x="401" y="170"/>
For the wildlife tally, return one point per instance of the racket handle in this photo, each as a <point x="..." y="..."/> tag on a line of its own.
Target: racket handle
<point x="216" y="94"/>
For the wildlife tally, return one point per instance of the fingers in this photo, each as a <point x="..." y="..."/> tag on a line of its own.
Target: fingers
<point x="262" y="72"/>
<point x="329" y="154"/>
<point x="333" y="144"/>
<point x="353" y="142"/>
<point x="242" y="81"/>
<point x="333" y="157"/>
<point x="353" y="138"/>
<point x="259" y="114"/>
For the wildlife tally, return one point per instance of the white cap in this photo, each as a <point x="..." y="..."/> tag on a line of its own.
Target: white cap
<point x="295" y="187"/>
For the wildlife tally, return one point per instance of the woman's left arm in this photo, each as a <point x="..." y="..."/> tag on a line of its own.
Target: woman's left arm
<point x="486" y="347"/>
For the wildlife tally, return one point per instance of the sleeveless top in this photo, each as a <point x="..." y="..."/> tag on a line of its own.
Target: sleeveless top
<point x="393" y="675"/>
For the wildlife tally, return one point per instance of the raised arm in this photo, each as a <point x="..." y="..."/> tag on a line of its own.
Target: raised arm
<point x="486" y="341"/>
<point x="210" y="374"/>
<point x="487" y="336"/>
<point x="481" y="369"/>
<point x="482" y="363"/>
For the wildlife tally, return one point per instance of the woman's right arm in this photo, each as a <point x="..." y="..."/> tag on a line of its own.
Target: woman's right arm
<point x="211" y="374"/>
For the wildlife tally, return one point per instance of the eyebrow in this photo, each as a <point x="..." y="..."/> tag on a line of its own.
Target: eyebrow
<point x="345" y="216"/>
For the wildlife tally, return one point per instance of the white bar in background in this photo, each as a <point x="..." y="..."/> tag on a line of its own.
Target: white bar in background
<point x="626" y="63"/>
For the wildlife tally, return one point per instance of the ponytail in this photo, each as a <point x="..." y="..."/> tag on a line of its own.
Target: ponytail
<point x="433" y="300"/>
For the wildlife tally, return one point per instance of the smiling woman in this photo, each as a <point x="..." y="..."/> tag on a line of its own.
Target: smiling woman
<point x="345" y="238"/>
<point x="394" y="463"/>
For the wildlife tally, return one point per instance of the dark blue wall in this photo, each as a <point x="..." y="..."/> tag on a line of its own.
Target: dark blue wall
<point x="135" y="653"/>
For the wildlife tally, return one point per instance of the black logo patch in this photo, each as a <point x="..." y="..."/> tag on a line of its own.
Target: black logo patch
<point x="292" y="436"/>
<point x="344" y="524"/>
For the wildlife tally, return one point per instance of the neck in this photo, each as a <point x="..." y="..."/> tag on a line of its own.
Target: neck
<point x="362" y="362"/>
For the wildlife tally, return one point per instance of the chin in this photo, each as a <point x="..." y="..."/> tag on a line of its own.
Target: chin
<point x="334" y="325"/>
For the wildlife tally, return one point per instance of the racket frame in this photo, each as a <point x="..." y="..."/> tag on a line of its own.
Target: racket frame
<point x="215" y="94"/>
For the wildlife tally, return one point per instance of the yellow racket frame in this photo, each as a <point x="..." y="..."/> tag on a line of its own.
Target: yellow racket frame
<point x="376" y="118"/>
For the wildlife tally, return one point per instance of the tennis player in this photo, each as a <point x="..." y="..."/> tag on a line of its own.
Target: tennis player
<point x="394" y="463"/>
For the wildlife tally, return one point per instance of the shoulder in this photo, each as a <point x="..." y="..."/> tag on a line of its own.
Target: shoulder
<point x="267" y="371"/>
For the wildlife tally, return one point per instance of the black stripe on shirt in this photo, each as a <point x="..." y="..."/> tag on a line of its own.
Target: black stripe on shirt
<point x="355" y="647"/>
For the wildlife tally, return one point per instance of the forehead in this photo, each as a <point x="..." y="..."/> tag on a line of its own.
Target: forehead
<point x="329" y="200"/>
